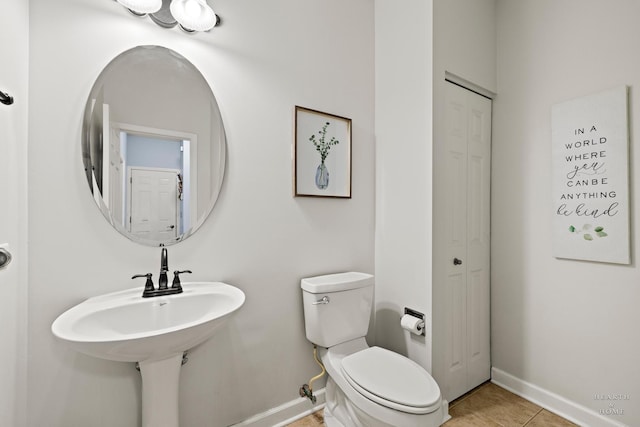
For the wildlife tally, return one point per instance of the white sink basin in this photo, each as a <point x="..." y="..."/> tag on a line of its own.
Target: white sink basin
<point x="123" y="326"/>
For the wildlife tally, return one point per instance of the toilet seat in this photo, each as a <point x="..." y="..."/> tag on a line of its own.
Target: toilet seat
<point x="391" y="380"/>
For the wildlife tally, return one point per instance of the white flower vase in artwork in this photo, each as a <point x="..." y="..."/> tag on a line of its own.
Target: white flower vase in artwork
<point x="322" y="176"/>
<point x="323" y="146"/>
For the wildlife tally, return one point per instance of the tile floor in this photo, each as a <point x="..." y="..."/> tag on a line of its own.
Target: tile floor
<point x="493" y="406"/>
<point x="484" y="406"/>
<point x="314" y="420"/>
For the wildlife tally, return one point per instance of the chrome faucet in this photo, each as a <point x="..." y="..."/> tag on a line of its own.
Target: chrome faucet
<point x="164" y="268"/>
<point x="163" y="289"/>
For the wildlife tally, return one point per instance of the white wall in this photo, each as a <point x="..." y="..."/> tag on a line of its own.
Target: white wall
<point x="567" y="327"/>
<point x="264" y="59"/>
<point x="14" y="63"/>
<point x="403" y="62"/>
<point x="464" y="43"/>
<point x="464" y="49"/>
<point x="416" y="45"/>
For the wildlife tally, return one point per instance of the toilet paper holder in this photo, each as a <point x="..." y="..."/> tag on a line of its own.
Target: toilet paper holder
<point x="417" y="314"/>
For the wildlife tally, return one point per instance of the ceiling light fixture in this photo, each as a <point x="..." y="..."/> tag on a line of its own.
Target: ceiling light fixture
<point x="192" y="15"/>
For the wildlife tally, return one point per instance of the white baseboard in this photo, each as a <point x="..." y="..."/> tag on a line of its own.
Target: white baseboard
<point x="557" y="404"/>
<point x="286" y="413"/>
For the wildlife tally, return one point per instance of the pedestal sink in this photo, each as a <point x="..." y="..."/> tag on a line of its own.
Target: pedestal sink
<point x="155" y="332"/>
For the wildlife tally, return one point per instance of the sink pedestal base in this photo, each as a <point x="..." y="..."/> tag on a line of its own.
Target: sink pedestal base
<point x="160" y="381"/>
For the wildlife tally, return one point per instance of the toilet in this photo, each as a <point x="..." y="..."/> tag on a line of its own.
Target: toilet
<point x="367" y="386"/>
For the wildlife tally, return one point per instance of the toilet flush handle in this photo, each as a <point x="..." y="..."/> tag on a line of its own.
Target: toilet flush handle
<point x="5" y="257"/>
<point x="324" y="300"/>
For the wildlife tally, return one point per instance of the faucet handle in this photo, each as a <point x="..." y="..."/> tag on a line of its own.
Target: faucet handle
<point x="148" y="286"/>
<point x="176" y="278"/>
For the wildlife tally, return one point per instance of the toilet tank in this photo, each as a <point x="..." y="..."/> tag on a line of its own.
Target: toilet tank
<point x="337" y="307"/>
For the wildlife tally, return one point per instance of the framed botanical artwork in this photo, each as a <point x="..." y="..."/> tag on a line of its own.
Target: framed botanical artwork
<point x="322" y="154"/>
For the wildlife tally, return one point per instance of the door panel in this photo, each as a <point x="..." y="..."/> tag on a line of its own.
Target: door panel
<point x="479" y="220"/>
<point x="154" y="203"/>
<point x="116" y="177"/>
<point x="456" y="240"/>
<point x="467" y="224"/>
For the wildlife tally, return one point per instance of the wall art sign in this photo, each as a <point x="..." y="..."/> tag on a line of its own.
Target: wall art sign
<point x="590" y="138"/>
<point x="322" y="154"/>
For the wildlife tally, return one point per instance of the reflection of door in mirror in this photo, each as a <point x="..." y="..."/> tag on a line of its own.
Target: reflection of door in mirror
<point x="108" y="171"/>
<point x="156" y="207"/>
<point x="153" y="203"/>
<point x="160" y="202"/>
<point x="116" y="176"/>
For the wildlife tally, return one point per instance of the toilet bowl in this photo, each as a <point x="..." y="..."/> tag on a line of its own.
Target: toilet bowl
<point x="367" y="386"/>
<point x="374" y="387"/>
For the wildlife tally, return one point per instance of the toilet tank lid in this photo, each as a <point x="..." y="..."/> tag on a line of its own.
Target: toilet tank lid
<point x="336" y="282"/>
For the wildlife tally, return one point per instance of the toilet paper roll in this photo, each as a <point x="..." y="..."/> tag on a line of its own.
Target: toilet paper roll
<point x="412" y="324"/>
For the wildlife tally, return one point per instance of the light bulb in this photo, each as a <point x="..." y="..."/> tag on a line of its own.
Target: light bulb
<point x="142" y="6"/>
<point x="192" y="9"/>
<point x="194" y="15"/>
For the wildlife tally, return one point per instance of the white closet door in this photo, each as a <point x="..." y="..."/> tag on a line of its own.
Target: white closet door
<point x="467" y="225"/>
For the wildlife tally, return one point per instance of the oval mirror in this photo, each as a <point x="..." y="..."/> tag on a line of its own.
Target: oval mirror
<point x="153" y="145"/>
